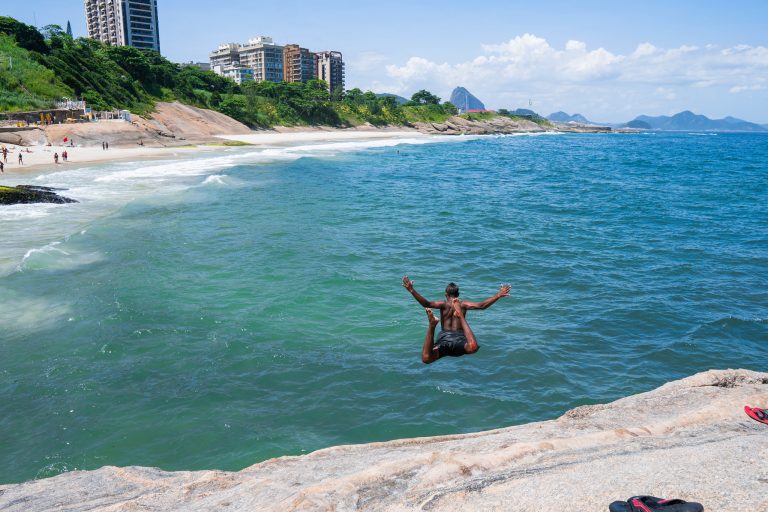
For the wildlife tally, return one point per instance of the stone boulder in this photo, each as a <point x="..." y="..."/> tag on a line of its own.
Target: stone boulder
<point x="24" y="194"/>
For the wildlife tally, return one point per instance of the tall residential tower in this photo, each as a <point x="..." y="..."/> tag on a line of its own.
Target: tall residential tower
<point x="299" y="64"/>
<point x="330" y="67"/>
<point x="124" y="22"/>
<point x="264" y="57"/>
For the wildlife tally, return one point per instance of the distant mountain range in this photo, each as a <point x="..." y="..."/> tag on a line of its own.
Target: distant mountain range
<point x="562" y="117"/>
<point x="687" y="120"/>
<point x="683" y="121"/>
<point x="465" y="100"/>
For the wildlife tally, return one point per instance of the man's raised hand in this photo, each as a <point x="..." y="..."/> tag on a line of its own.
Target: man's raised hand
<point x="504" y="290"/>
<point x="407" y="283"/>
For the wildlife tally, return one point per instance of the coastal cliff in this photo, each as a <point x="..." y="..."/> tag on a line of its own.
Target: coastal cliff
<point x="688" y="439"/>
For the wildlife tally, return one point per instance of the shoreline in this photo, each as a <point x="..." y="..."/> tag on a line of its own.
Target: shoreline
<point x="666" y="442"/>
<point x="40" y="159"/>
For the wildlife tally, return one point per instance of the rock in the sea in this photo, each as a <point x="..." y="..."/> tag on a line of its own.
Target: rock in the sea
<point x="688" y="439"/>
<point x="22" y="194"/>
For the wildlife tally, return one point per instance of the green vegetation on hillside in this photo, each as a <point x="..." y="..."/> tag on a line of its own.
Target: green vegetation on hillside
<point x="37" y="69"/>
<point x="25" y="84"/>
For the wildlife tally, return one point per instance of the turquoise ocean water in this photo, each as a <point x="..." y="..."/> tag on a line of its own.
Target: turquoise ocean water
<point x="217" y="311"/>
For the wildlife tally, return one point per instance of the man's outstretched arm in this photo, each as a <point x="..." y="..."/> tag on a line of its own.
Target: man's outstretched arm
<point x="503" y="292"/>
<point x="408" y="285"/>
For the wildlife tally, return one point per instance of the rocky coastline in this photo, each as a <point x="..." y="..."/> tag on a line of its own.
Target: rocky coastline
<point x="24" y="194"/>
<point x="688" y="439"/>
<point x="175" y="124"/>
<point x="501" y="125"/>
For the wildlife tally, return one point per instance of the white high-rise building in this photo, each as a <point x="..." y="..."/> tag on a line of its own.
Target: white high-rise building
<point x="265" y="58"/>
<point x="105" y="21"/>
<point x="124" y="22"/>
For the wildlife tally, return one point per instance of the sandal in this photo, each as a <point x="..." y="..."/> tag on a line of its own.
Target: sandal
<point x="757" y="414"/>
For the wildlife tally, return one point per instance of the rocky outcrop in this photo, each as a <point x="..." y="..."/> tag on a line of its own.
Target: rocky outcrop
<point x="172" y="124"/>
<point x="496" y="125"/>
<point x="457" y="125"/>
<point x="688" y="439"/>
<point x="465" y="100"/>
<point x="22" y="136"/>
<point x="24" y="194"/>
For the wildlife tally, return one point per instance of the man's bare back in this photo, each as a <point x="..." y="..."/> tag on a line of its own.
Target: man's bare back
<point x="456" y="337"/>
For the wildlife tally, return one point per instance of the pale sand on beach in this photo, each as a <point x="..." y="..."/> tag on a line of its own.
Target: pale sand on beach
<point x="43" y="156"/>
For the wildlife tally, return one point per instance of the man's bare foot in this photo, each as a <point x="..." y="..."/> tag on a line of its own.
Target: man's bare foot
<point x="456" y="304"/>
<point x="433" y="321"/>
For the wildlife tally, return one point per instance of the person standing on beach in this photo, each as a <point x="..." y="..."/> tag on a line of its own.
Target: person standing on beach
<point x="103" y="145"/>
<point x="64" y="155"/>
<point x="21" y="158"/>
<point x="2" y="167"/>
<point x="107" y="143"/>
<point x="456" y="337"/>
<point x="5" y="154"/>
<point x="56" y="158"/>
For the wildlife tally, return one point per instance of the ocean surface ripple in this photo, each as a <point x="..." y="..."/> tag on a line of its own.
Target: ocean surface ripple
<point x="216" y="312"/>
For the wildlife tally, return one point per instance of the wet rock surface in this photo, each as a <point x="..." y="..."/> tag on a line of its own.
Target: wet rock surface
<point x="24" y="194"/>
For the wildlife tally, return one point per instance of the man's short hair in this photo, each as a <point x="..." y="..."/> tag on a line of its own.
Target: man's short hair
<point x="452" y="290"/>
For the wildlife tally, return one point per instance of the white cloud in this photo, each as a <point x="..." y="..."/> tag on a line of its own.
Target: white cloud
<point x="528" y="65"/>
<point x="367" y="61"/>
<point x="666" y="93"/>
<point x="742" y="88"/>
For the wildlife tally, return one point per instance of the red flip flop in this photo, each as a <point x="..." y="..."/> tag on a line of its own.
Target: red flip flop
<point x="756" y="414"/>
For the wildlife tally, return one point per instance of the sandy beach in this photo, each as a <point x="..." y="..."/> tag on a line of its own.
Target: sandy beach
<point x="41" y="157"/>
<point x="38" y="158"/>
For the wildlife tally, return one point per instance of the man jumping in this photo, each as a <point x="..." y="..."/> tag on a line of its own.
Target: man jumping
<point x="455" y="338"/>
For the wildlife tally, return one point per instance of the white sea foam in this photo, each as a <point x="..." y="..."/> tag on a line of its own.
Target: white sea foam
<point x="215" y="179"/>
<point x="102" y="189"/>
<point x="53" y="257"/>
<point x="26" y="211"/>
<point x="30" y="313"/>
<point x="527" y="134"/>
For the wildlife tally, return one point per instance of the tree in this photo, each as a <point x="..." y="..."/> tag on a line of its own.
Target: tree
<point x="27" y="37"/>
<point x="389" y="102"/>
<point x="424" y="97"/>
<point x="504" y="112"/>
<point x="337" y="94"/>
<point x="52" y="31"/>
<point x="132" y="60"/>
<point x="450" y="108"/>
<point x="353" y="95"/>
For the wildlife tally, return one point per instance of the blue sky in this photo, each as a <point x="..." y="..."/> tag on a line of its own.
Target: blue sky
<point x="608" y="60"/>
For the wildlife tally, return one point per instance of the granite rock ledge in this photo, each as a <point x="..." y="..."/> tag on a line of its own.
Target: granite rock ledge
<point x="688" y="439"/>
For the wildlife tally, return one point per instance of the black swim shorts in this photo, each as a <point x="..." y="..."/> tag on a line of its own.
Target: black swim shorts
<point x="451" y="343"/>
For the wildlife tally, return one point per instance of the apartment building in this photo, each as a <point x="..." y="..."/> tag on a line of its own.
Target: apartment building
<point x="264" y="57"/>
<point x="239" y="74"/>
<point x="330" y="67"/>
<point x="225" y="56"/>
<point x="124" y="22"/>
<point x="299" y="64"/>
<point x="140" y="22"/>
<point x="104" y="19"/>
<point x="275" y="63"/>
